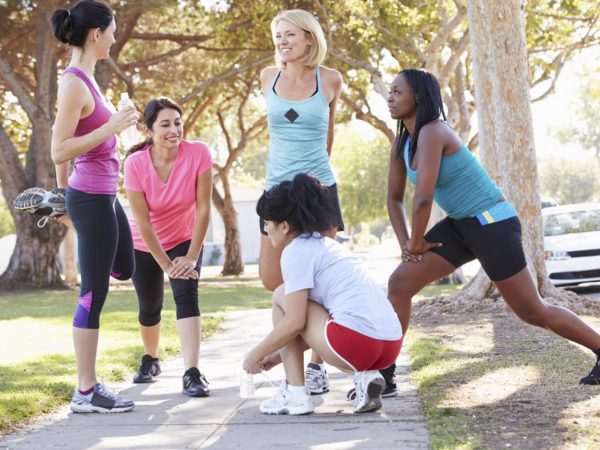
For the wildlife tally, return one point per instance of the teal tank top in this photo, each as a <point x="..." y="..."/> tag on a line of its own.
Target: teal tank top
<point x="298" y="137"/>
<point x="463" y="188"/>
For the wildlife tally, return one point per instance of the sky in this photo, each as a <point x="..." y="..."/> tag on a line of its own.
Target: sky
<point x="557" y="109"/>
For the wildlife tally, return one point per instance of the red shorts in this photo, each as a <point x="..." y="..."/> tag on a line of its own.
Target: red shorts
<point x="359" y="351"/>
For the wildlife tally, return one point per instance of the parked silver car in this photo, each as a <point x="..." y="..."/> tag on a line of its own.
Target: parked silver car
<point x="572" y="243"/>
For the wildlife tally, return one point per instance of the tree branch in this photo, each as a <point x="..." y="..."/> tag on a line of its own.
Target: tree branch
<point x="229" y="73"/>
<point x="442" y="36"/>
<point x="16" y="85"/>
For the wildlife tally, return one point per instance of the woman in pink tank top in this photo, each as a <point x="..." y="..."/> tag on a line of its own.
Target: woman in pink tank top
<point x="84" y="131"/>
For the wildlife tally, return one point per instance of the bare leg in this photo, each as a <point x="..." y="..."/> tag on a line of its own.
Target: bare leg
<point x="151" y="338"/>
<point x="521" y="295"/>
<point x="189" y="336"/>
<point x="410" y="277"/>
<point x="292" y="355"/>
<point x="313" y="335"/>
<point x="85" y="341"/>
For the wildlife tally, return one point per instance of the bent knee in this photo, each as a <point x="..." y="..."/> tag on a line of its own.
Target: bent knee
<point x="536" y="317"/>
<point x="400" y="285"/>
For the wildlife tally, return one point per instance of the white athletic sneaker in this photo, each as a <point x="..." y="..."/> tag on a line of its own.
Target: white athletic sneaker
<point x="316" y="380"/>
<point x="369" y="385"/>
<point x="100" y="400"/>
<point x="285" y="402"/>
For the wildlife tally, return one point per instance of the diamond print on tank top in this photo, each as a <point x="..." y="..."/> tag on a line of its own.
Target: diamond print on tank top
<point x="291" y="115"/>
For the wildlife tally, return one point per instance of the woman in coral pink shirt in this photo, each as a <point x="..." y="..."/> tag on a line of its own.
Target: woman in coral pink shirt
<point x="169" y="185"/>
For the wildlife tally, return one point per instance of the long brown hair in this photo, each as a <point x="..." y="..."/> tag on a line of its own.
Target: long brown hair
<point x="151" y="111"/>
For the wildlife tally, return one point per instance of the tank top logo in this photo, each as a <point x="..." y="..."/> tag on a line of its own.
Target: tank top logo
<point x="291" y="115"/>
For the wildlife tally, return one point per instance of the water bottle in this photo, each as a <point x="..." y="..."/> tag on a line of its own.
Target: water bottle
<point x="246" y="384"/>
<point x="129" y="136"/>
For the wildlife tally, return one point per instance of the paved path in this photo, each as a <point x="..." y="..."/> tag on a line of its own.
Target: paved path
<point x="165" y="419"/>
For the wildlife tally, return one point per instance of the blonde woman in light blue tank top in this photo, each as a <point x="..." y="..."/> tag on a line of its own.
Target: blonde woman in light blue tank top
<point x="301" y="98"/>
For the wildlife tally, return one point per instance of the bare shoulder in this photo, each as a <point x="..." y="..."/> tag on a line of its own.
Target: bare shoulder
<point x="438" y="131"/>
<point x="266" y="75"/>
<point x="72" y="83"/>
<point x="331" y="76"/>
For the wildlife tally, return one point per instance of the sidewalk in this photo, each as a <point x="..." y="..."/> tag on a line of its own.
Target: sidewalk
<point x="165" y="419"/>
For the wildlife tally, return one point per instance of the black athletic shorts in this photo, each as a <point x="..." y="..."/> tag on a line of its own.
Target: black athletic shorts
<point x="335" y="199"/>
<point x="498" y="246"/>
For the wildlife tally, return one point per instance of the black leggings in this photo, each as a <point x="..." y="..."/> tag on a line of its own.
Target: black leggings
<point x="149" y="286"/>
<point x="104" y="249"/>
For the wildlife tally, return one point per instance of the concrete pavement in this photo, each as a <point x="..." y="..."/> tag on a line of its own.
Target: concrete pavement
<point x="165" y="419"/>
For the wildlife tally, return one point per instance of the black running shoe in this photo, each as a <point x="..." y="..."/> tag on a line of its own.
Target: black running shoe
<point x="149" y="368"/>
<point x="195" y="384"/>
<point x="42" y="202"/>
<point x="594" y="376"/>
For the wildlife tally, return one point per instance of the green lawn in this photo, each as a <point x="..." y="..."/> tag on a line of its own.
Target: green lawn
<point x="37" y="363"/>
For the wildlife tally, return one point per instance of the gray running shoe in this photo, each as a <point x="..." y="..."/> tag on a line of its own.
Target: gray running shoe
<point x="42" y="202"/>
<point x="100" y="401"/>
<point x="316" y="380"/>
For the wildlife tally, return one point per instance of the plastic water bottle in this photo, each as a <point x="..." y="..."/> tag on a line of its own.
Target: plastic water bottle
<point x="246" y="384"/>
<point x="129" y="136"/>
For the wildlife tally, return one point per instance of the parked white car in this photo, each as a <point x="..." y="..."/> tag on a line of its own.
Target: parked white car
<point x="572" y="243"/>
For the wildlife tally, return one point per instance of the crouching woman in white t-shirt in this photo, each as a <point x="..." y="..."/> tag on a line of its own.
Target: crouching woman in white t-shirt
<point x="327" y="302"/>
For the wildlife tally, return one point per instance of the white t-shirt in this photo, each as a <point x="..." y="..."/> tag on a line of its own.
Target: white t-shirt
<point x="337" y="281"/>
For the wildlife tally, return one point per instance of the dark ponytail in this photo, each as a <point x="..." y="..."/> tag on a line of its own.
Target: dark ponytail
<point x="71" y="26"/>
<point x="303" y="202"/>
<point x="151" y="111"/>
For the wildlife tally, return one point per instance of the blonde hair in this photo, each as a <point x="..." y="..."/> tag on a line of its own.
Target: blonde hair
<point x="309" y="24"/>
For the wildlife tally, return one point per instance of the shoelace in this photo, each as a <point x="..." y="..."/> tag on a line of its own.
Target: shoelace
<point x="106" y="393"/>
<point x="146" y="366"/>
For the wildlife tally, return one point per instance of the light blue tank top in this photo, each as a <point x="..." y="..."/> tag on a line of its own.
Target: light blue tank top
<point x="298" y="137"/>
<point x="463" y="188"/>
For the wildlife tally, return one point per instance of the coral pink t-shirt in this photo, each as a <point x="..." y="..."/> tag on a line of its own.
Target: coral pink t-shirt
<point x="172" y="205"/>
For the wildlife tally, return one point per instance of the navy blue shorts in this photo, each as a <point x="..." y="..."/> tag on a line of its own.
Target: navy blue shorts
<point x="498" y="246"/>
<point x="335" y="199"/>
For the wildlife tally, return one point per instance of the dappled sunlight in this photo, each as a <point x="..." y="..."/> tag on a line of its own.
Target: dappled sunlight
<point x="585" y="414"/>
<point x="43" y="337"/>
<point x="442" y="368"/>
<point x="471" y="339"/>
<point x="491" y="388"/>
<point x="340" y="445"/>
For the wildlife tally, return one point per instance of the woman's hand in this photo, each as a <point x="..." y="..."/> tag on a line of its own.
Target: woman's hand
<point x="65" y="220"/>
<point x="122" y="119"/>
<point x="413" y="251"/>
<point x="270" y="361"/>
<point x="183" y="267"/>
<point x="252" y="364"/>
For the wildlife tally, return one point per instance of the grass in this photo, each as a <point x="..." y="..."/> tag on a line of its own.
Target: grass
<point x="37" y="362"/>
<point x="490" y="381"/>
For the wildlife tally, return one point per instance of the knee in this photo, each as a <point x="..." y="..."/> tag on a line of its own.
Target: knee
<point x="149" y="315"/>
<point x="122" y="276"/>
<point x="535" y="317"/>
<point x="399" y="286"/>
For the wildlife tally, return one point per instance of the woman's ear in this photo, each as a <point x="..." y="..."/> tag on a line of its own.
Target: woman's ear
<point x="148" y="132"/>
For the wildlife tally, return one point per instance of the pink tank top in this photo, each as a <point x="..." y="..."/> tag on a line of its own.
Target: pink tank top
<point x="97" y="171"/>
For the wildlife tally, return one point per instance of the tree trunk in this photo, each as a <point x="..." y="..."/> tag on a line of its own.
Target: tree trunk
<point x="233" y="264"/>
<point x="34" y="261"/>
<point x="507" y="148"/>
